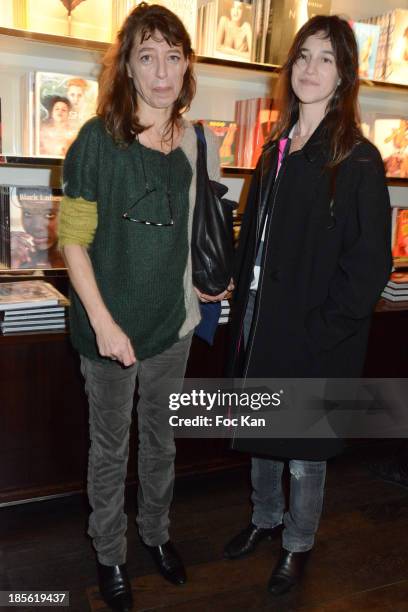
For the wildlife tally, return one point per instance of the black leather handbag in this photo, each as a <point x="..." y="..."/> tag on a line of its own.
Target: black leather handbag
<point x="212" y="247"/>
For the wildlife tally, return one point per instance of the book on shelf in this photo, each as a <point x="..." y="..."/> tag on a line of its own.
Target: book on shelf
<point x="63" y="102"/>
<point x="28" y="227"/>
<point x="33" y="319"/>
<point x="225" y="29"/>
<point x="397" y="48"/>
<point x="392" y="53"/>
<point x="400" y="237"/>
<point x="255" y="118"/>
<point x="261" y="19"/>
<point x="186" y="10"/>
<point x="6" y="329"/>
<point x="234" y="30"/>
<point x="206" y="27"/>
<point x="285" y="18"/>
<point x="17" y="112"/>
<point x="394" y="297"/>
<point x="85" y="19"/>
<point x="60" y="321"/>
<point x="391" y="138"/>
<point x="225" y="132"/>
<point x="18" y="295"/>
<point x="367" y="36"/>
<point x="398" y="280"/>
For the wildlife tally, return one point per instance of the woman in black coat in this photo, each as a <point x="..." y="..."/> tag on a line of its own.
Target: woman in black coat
<point x="313" y="258"/>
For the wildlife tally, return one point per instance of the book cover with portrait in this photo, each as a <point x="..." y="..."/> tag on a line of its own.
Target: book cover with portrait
<point x="367" y="36"/>
<point x="63" y="102"/>
<point x="33" y="221"/>
<point x="234" y="30"/>
<point x="391" y="138"/>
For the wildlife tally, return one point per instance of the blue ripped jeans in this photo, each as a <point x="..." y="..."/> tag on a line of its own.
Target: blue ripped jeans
<point x="307" y="479"/>
<point x="301" y="520"/>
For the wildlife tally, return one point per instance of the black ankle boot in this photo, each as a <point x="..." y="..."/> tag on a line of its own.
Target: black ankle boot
<point x="114" y="586"/>
<point x="168" y="562"/>
<point x="288" y="571"/>
<point x="247" y="540"/>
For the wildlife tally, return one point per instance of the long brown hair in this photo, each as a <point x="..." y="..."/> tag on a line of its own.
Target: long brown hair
<point x="117" y="102"/>
<point x="342" y="115"/>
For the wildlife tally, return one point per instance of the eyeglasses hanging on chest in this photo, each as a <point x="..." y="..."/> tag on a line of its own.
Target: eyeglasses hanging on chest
<point x="132" y="216"/>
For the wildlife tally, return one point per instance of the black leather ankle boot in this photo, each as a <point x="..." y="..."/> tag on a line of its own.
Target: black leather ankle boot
<point x="247" y="540"/>
<point x="288" y="571"/>
<point x="114" y="586"/>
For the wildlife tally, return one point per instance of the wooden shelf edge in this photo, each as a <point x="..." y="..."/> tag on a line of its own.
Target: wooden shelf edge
<point x="53" y="39"/>
<point x="102" y="47"/>
<point x="34" y="337"/>
<point x="226" y="171"/>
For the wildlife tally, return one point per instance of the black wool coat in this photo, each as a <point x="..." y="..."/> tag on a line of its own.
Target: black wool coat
<point x="326" y="259"/>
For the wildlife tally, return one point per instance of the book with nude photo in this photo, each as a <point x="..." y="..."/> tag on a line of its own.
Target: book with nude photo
<point x="234" y="30"/>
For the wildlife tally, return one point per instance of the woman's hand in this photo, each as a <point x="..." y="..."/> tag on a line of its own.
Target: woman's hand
<point x="203" y="297"/>
<point x="111" y="340"/>
<point x="113" y="343"/>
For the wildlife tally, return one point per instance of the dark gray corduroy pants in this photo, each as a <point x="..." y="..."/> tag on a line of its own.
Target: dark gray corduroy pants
<point x="110" y="389"/>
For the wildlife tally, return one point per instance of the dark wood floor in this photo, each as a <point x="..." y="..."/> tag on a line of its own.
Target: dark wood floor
<point x="360" y="561"/>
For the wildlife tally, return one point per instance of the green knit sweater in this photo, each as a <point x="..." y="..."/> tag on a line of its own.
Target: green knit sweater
<point x="138" y="268"/>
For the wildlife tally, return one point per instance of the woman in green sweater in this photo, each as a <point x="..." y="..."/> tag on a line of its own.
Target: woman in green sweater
<point x="125" y="230"/>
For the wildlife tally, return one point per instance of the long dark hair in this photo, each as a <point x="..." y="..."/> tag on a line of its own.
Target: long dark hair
<point x="343" y="115"/>
<point x="117" y="104"/>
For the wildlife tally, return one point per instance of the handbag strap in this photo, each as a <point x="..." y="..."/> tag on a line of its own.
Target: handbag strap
<point x="201" y="144"/>
<point x="199" y="130"/>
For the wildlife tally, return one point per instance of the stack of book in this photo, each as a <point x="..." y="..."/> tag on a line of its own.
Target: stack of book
<point x="396" y="290"/>
<point x="34" y="306"/>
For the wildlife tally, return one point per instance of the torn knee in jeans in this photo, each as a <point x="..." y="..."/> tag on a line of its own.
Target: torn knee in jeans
<point x="297" y="471"/>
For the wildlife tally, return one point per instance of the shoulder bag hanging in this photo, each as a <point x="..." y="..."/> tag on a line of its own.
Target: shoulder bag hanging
<point x="212" y="247"/>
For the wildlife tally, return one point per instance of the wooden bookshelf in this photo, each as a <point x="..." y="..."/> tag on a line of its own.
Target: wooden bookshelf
<point x="102" y="47"/>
